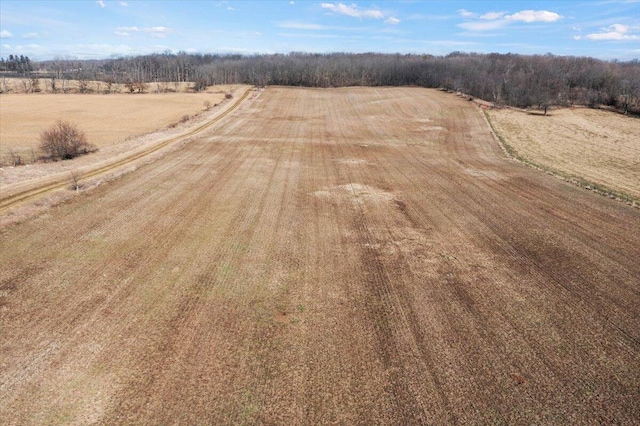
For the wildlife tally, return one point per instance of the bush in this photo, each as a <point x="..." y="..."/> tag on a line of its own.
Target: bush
<point x="64" y="141"/>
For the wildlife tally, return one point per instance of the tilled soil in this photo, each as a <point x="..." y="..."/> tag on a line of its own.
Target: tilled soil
<point x="348" y="256"/>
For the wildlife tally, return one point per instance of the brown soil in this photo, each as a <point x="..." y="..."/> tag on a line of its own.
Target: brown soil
<point x="344" y="256"/>
<point x="599" y="146"/>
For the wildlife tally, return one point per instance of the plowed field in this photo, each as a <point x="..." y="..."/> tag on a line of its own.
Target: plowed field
<point x="344" y="256"/>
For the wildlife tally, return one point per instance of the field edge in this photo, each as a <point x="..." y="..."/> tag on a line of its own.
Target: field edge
<point x="579" y="181"/>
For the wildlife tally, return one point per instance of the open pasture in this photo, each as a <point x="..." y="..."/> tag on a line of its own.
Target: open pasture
<point x="328" y="256"/>
<point x="106" y="119"/>
<point x="598" y="146"/>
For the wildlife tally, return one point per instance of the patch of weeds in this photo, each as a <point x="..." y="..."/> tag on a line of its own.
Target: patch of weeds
<point x="448" y="256"/>
<point x="250" y="408"/>
<point x="225" y="271"/>
<point x="300" y="308"/>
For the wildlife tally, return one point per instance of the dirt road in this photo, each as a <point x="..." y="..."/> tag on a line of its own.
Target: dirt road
<point x="346" y="256"/>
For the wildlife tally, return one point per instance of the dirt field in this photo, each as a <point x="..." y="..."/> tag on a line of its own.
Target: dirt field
<point x="107" y="119"/>
<point x="599" y="146"/>
<point x="342" y="256"/>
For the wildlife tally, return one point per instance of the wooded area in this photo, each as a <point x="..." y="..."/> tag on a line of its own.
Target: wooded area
<point x="505" y="79"/>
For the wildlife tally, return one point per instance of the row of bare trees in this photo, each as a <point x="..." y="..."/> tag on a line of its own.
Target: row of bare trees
<point x="506" y="79"/>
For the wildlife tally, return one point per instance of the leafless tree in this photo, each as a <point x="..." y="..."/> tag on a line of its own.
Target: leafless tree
<point x="75" y="177"/>
<point x="64" y="141"/>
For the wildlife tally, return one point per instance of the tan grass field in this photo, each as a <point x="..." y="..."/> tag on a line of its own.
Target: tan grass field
<point x="598" y="146"/>
<point x="106" y="119"/>
<point x="354" y="256"/>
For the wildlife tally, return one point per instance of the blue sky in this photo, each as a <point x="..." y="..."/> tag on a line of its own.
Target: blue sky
<point x="88" y="29"/>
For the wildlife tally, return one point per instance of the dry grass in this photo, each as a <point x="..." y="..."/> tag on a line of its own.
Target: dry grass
<point x="44" y="170"/>
<point x="590" y="145"/>
<point x="106" y="119"/>
<point x="339" y="256"/>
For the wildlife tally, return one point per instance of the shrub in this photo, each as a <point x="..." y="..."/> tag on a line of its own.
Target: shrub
<point x="64" y="140"/>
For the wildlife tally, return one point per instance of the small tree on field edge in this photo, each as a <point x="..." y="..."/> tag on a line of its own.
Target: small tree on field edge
<point x="64" y="141"/>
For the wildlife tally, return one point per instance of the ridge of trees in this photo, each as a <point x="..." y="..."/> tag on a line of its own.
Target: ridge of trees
<point x="17" y="64"/>
<point x="504" y="79"/>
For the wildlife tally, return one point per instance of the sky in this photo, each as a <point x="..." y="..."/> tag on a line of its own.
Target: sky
<point x="90" y="29"/>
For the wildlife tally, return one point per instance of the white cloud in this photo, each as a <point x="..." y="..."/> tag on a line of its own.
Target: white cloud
<point x="466" y="14"/>
<point x="126" y="31"/>
<point x="494" y="20"/>
<point x="353" y="10"/>
<point x="293" y="25"/>
<point x="614" y="32"/>
<point x="310" y="35"/>
<point x="26" y="49"/>
<point x="30" y="36"/>
<point x="230" y="8"/>
<point x="483" y="25"/>
<point x="5" y="34"/>
<point x="490" y="16"/>
<point x="292" y="2"/>
<point x="157" y="32"/>
<point x="101" y="3"/>
<point x="123" y="3"/>
<point x="357" y="12"/>
<point x="534" y="16"/>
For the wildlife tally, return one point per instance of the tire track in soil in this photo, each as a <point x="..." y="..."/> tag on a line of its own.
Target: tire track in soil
<point x="332" y="256"/>
<point x="385" y="174"/>
<point x="191" y="302"/>
<point x="388" y="308"/>
<point x="399" y="302"/>
<point x="467" y="208"/>
<point x="154" y="234"/>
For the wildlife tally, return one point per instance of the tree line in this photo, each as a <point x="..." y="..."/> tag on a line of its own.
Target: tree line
<point x="16" y="64"/>
<point x="505" y="79"/>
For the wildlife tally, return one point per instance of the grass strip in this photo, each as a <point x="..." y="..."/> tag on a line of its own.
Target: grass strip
<point x="568" y="177"/>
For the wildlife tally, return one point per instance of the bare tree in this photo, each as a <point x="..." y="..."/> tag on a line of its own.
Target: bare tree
<point x="75" y="180"/>
<point x="65" y="141"/>
<point x="16" y="159"/>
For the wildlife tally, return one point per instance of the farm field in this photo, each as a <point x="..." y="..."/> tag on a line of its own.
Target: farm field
<point x="599" y="146"/>
<point x="349" y="256"/>
<point x="106" y="119"/>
